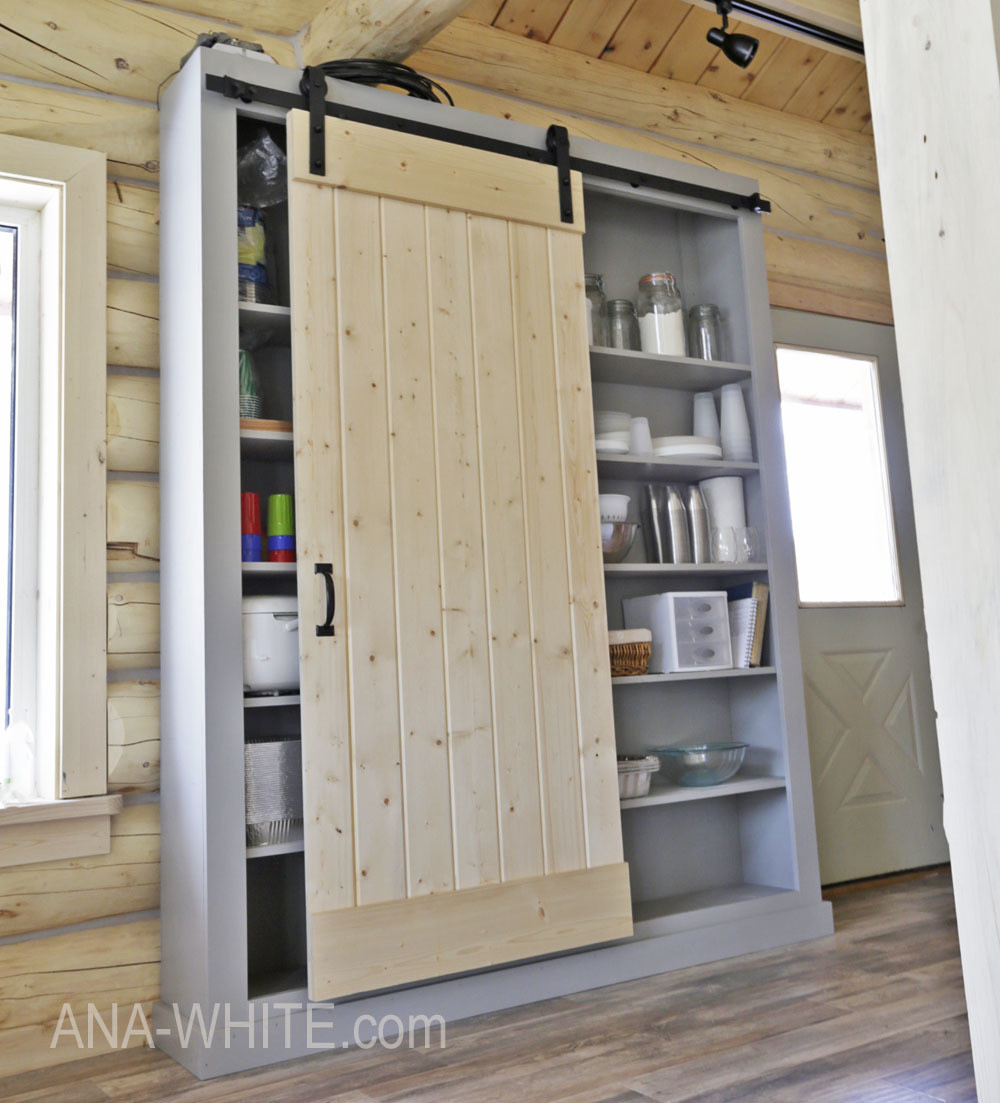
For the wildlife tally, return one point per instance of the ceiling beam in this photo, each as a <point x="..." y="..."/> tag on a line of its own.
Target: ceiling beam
<point x="389" y="30"/>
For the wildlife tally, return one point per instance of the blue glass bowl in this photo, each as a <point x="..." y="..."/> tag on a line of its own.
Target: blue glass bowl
<point x="700" y="763"/>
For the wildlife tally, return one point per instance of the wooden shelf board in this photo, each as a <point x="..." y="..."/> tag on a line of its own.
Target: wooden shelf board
<point x="646" y="369"/>
<point x="695" y="675"/>
<point x="649" y="913"/>
<point x="678" y="794"/>
<point x="668" y="469"/>
<point x="262" y="444"/>
<point x="271" y="702"/>
<point x="264" y="568"/>
<point x="275" y="321"/>
<point x="43" y="811"/>
<point x="656" y="570"/>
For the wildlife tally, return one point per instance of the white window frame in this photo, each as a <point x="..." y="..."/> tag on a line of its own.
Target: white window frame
<point x="67" y="186"/>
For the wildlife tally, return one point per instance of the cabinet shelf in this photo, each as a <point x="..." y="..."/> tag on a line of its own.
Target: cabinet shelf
<point x="659" y="570"/>
<point x="264" y="568"/>
<point x="294" y="846"/>
<point x="274" y="321"/>
<point x="266" y="444"/>
<point x="271" y="702"/>
<point x="647" y="369"/>
<point x="651" y="916"/>
<point x="668" y="470"/>
<point x="695" y="675"/>
<point x="677" y="794"/>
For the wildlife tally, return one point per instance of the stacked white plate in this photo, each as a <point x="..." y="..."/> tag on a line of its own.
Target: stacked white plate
<point x="612" y="430"/>
<point x="687" y="448"/>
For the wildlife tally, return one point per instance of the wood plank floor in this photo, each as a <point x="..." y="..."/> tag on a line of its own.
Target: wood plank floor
<point x="875" y="1014"/>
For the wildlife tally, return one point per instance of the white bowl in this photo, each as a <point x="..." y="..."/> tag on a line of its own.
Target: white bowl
<point x="615" y="447"/>
<point x="672" y="442"/>
<point x="614" y="507"/>
<point x="612" y="421"/>
<point x="620" y="436"/>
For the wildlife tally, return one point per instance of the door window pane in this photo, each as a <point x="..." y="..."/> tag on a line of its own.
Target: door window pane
<point x="845" y="544"/>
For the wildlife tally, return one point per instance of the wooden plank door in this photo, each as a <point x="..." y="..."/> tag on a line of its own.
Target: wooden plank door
<point x="461" y="797"/>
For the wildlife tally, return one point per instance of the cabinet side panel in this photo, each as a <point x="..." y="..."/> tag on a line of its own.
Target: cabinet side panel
<point x="548" y="568"/>
<point x="463" y="580"/>
<point x="370" y="590"/>
<point x="602" y="812"/>
<point x="419" y="630"/>
<point x="518" y="793"/>
<point x="316" y="387"/>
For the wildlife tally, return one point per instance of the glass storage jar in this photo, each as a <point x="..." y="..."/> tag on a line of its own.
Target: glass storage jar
<point x="623" y="330"/>
<point x="596" y="309"/>
<point x="706" y="332"/>
<point x="661" y="315"/>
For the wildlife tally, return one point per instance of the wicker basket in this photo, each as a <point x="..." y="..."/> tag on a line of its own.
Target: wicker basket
<point x="630" y="651"/>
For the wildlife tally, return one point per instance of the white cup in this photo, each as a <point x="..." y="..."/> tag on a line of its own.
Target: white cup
<point x="706" y="420"/>
<point x="641" y="441"/>
<point x="735" y="432"/>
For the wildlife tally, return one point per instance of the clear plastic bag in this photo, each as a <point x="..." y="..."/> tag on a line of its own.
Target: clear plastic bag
<point x="261" y="173"/>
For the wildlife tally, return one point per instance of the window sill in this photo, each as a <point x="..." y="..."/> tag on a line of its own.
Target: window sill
<point x="56" y="829"/>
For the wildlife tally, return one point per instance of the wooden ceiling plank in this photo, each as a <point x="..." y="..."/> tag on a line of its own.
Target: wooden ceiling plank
<point x="643" y="33"/>
<point x="841" y="16"/>
<point x="484" y="56"/>
<point x="688" y="53"/>
<point x="831" y="77"/>
<point x="723" y="76"/>
<point x="390" y="30"/>
<point x="287" y="17"/>
<point x="782" y="74"/>
<point x="483" y="11"/>
<point x="587" y="26"/>
<point x="531" y="18"/>
<point x="853" y="110"/>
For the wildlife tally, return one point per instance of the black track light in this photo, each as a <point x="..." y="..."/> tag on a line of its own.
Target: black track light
<point x="739" y="48"/>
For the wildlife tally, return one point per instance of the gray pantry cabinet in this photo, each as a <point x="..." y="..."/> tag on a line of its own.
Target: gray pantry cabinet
<point x="464" y="848"/>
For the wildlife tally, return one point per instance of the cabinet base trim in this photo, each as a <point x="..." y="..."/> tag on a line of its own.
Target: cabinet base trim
<point x="401" y="941"/>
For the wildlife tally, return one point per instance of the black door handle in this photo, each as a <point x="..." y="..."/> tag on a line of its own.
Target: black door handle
<point x="326" y="628"/>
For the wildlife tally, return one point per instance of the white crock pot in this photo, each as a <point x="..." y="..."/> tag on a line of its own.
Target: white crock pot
<point x="270" y="643"/>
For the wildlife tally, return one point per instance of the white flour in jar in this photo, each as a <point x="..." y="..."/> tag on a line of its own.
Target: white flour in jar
<point x="663" y="333"/>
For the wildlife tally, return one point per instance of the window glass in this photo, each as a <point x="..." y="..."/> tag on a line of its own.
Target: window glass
<point x="845" y="544"/>
<point x="8" y="255"/>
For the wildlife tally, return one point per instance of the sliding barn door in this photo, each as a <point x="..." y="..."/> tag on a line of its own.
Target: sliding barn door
<point x="461" y="798"/>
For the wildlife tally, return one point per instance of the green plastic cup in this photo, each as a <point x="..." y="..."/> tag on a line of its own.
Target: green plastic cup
<point x="280" y="515"/>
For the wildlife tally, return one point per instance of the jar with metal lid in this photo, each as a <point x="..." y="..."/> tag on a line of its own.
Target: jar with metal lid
<point x="661" y="315"/>
<point x="705" y="332"/>
<point x="623" y="330"/>
<point x="596" y="309"/>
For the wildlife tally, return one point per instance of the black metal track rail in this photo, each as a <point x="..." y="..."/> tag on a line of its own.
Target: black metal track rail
<point x="554" y="154"/>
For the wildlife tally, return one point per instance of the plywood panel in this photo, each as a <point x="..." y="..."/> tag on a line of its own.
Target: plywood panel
<point x="587" y="25"/>
<point x="327" y="707"/>
<point x="59" y="893"/>
<point x="518" y="785"/>
<point x="133" y="737"/>
<point x="544" y="74"/>
<point x="463" y="583"/>
<point x="127" y="132"/>
<point x="133" y="228"/>
<point x="133" y="323"/>
<point x="133" y="412"/>
<point x="100" y="966"/>
<point x="644" y="31"/>
<point x="133" y="625"/>
<point x="420" y="632"/>
<point x="556" y="705"/>
<point x="370" y="585"/>
<point x="133" y="526"/>
<point x="113" y="46"/>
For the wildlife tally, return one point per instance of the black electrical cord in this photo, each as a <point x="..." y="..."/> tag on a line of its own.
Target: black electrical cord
<point x="370" y="71"/>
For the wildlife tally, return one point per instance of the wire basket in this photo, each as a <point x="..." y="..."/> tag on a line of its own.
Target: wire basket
<point x="273" y="790"/>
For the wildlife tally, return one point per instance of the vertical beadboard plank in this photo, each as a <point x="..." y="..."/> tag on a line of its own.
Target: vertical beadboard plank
<point x="602" y="810"/>
<point x="518" y="796"/>
<point x="419" y="630"/>
<point x="326" y="727"/>
<point x="548" y="568"/>
<point x="463" y="583"/>
<point x="370" y="584"/>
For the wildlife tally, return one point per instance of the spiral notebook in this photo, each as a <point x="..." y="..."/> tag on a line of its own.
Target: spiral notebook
<point x="742" y="628"/>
